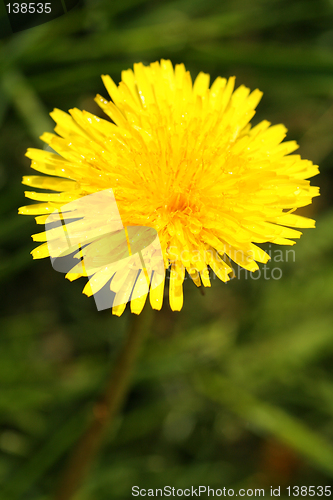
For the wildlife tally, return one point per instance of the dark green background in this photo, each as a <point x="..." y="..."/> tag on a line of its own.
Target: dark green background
<point x="12" y="19"/>
<point x="236" y="390"/>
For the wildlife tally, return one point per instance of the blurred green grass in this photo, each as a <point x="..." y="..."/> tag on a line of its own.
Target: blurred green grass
<point x="237" y="389"/>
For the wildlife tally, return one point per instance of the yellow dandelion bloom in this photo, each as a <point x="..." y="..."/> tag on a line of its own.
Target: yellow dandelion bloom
<point x="183" y="159"/>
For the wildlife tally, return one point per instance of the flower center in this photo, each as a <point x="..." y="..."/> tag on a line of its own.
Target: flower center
<point x="177" y="203"/>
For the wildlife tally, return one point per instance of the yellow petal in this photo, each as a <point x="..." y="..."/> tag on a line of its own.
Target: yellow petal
<point x="156" y="293"/>
<point x="118" y="310"/>
<point x="138" y="304"/>
<point x="176" y="287"/>
<point x="40" y="252"/>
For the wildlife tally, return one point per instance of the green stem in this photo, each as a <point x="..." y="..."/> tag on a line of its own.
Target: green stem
<point x="26" y="102"/>
<point x="106" y="409"/>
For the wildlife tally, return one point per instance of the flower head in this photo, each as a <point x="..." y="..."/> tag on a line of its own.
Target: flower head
<point x="183" y="159"/>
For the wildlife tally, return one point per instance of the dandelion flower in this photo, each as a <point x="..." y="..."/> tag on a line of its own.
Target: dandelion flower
<point x="183" y="159"/>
